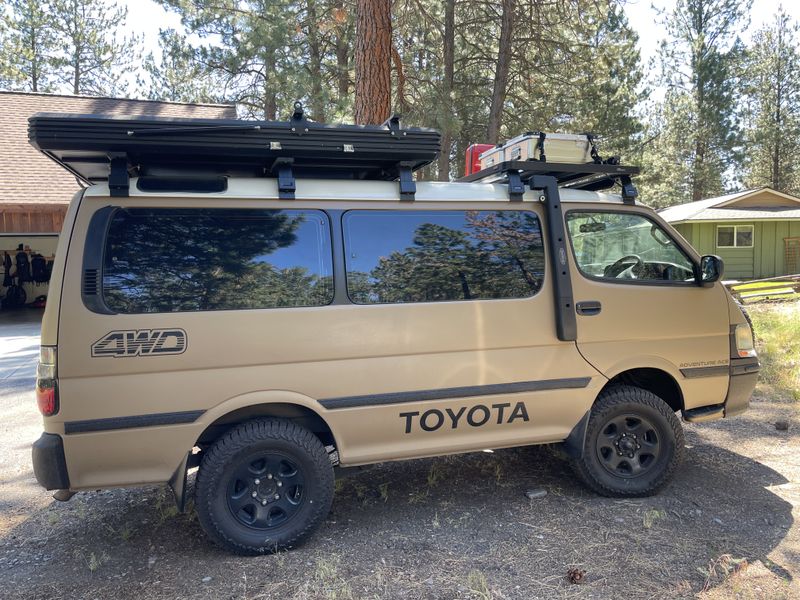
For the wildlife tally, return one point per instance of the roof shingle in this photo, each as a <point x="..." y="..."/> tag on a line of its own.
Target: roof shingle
<point x="27" y="177"/>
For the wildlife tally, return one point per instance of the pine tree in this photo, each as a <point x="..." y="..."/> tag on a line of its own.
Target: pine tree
<point x="177" y="76"/>
<point x="698" y="121"/>
<point x="373" y="61"/>
<point x="773" y="107"/>
<point x="28" y="45"/>
<point x="95" y="58"/>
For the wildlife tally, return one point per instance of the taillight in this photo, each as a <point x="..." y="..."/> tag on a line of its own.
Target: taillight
<point x="46" y="382"/>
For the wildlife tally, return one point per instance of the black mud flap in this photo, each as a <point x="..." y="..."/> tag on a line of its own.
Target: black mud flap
<point x="177" y="484"/>
<point x="573" y="445"/>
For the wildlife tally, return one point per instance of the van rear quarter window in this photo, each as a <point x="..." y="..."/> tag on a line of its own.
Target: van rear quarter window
<point x="433" y="256"/>
<point x="172" y="260"/>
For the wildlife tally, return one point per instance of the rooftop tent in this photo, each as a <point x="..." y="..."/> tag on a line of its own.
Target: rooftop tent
<point x="101" y="148"/>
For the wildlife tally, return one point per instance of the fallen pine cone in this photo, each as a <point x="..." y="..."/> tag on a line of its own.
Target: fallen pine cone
<point x="576" y="575"/>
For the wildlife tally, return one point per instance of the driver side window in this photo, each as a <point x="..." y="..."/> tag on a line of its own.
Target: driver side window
<point x="625" y="247"/>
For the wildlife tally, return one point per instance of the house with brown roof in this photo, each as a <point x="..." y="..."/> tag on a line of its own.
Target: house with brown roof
<point x="755" y="232"/>
<point x="34" y="190"/>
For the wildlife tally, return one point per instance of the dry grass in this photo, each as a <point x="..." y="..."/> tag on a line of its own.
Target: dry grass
<point x="777" y="330"/>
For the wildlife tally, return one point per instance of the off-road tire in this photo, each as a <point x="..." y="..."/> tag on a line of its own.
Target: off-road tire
<point x="628" y="400"/>
<point x="232" y="450"/>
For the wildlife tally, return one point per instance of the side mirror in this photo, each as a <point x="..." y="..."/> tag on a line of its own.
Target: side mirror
<point x="711" y="270"/>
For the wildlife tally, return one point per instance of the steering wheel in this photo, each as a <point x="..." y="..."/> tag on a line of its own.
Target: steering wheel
<point x="621" y="265"/>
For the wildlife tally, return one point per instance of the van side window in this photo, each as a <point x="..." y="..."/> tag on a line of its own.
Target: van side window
<point x="435" y="256"/>
<point x="173" y="260"/>
<point x="624" y="247"/>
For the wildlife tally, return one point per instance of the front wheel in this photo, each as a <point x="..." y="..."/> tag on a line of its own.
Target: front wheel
<point x="264" y="486"/>
<point x="634" y="442"/>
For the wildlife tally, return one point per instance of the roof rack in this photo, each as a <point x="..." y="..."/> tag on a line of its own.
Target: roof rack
<point x="589" y="176"/>
<point x="102" y="148"/>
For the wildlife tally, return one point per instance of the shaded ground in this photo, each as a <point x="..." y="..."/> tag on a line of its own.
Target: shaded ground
<point x="456" y="527"/>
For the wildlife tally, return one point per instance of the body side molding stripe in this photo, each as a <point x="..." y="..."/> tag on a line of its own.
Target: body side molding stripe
<point x="456" y="392"/>
<point x="696" y="372"/>
<point x="152" y="420"/>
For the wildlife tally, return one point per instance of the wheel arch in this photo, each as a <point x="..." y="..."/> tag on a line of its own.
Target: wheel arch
<point x="298" y="413"/>
<point x="653" y="379"/>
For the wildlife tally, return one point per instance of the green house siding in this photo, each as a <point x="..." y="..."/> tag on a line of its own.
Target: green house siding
<point x="767" y="257"/>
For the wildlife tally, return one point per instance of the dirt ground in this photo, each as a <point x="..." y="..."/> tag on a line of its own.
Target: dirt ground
<point x="454" y="527"/>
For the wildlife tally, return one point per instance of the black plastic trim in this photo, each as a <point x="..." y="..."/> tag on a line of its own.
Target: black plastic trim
<point x="49" y="464"/>
<point x="93" y="257"/>
<point x="695" y="372"/>
<point x="456" y="392"/>
<point x="189" y="184"/>
<point x="744" y="366"/>
<point x="339" y="269"/>
<point x="702" y="413"/>
<point x="132" y="422"/>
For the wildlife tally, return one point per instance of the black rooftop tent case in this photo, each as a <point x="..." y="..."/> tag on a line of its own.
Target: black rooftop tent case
<point x="102" y="148"/>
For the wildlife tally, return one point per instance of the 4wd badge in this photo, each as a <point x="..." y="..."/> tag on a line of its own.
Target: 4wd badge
<point x="140" y="342"/>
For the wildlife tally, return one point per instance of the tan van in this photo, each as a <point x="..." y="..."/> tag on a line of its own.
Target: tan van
<point x="268" y="340"/>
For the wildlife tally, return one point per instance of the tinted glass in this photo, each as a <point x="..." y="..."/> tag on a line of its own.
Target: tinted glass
<point x="744" y="236"/>
<point x="421" y="256"/>
<point x="167" y="260"/>
<point x="626" y="246"/>
<point x="725" y="236"/>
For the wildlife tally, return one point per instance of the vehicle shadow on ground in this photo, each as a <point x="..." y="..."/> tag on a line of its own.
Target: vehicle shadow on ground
<point x="424" y="528"/>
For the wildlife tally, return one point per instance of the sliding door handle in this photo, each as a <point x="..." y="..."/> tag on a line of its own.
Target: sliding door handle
<point x="588" y="308"/>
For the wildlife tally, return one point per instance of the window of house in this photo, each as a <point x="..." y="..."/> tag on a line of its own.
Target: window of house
<point x="173" y="260"/>
<point x="435" y="256"/>
<point x="734" y="236"/>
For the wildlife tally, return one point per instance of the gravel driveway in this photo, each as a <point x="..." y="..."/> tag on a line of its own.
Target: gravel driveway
<point x="454" y="527"/>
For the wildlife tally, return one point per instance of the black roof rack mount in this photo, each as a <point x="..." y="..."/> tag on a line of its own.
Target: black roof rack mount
<point x="102" y="148"/>
<point x="588" y="176"/>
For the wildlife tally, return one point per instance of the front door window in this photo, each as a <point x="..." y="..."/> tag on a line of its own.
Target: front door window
<point x="626" y="247"/>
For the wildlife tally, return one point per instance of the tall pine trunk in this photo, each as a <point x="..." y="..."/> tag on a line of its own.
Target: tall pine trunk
<point x="447" y="87"/>
<point x="373" y="61"/>
<point x="501" y="72"/>
<point x="315" y="64"/>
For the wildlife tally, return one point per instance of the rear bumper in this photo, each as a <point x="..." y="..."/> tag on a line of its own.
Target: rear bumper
<point x="49" y="464"/>
<point x="744" y="375"/>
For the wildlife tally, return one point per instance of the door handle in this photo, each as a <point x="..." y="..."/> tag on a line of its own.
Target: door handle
<point x="588" y="308"/>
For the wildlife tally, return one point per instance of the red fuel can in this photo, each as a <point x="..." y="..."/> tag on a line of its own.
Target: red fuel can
<point x="473" y="157"/>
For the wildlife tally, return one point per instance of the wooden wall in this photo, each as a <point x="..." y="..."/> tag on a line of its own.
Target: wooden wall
<point x="767" y="257"/>
<point x="32" y="220"/>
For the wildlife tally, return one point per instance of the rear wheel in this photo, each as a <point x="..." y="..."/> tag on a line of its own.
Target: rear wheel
<point x="264" y="486"/>
<point x="634" y="442"/>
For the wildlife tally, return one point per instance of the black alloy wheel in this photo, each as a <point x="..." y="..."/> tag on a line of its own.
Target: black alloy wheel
<point x="266" y="490"/>
<point x="628" y="445"/>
